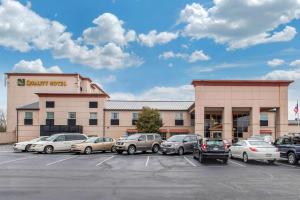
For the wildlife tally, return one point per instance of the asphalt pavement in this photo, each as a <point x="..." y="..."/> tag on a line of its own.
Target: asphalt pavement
<point x="143" y="176"/>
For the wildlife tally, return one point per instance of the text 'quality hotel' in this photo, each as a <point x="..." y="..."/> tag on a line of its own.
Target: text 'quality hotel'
<point x="45" y="104"/>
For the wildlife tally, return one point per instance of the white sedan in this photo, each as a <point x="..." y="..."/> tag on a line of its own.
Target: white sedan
<point x="25" y="146"/>
<point x="254" y="150"/>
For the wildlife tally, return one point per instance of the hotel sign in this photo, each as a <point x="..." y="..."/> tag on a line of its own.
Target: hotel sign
<point x="40" y="83"/>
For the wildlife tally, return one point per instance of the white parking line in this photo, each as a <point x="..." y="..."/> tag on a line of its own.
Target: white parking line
<point x="193" y="164"/>
<point x="146" y="164"/>
<point x="237" y="163"/>
<point x="61" y="160"/>
<point x="105" y="160"/>
<point x="10" y="161"/>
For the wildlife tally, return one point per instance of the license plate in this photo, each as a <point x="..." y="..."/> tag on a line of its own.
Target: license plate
<point x="215" y="148"/>
<point x="268" y="155"/>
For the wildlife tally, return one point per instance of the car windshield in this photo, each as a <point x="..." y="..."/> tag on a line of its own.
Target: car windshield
<point x="133" y="137"/>
<point x="215" y="143"/>
<point x="91" y="140"/>
<point x="259" y="143"/>
<point x="176" y="138"/>
<point x="51" y="138"/>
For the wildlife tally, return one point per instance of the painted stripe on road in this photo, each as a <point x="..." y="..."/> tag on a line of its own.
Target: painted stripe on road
<point x="10" y="161"/>
<point x="191" y="163"/>
<point x="147" y="161"/>
<point x="237" y="163"/>
<point x="100" y="163"/>
<point x="61" y="160"/>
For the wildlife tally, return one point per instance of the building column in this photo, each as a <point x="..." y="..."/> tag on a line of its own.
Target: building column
<point x="281" y="124"/>
<point x="255" y="121"/>
<point x="227" y="123"/>
<point x="199" y="120"/>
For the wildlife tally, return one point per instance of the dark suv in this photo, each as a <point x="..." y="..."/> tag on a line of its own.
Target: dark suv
<point x="179" y="144"/>
<point x="208" y="148"/>
<point x="289" y="148"/>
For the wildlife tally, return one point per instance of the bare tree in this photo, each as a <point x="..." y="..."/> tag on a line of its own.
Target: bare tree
<point x="3" y="122"/>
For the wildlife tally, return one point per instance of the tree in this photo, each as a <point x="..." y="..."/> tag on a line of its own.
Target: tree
<point x="3" y="122"/>
<point x="149" y="121"/>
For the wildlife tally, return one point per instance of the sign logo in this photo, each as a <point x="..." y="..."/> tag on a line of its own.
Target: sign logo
<point x="21" y="82"/>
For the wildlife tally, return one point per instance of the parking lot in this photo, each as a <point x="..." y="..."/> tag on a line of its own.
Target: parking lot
<point x="142" y="176"/>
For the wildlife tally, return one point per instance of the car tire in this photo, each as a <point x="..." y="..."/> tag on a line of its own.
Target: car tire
<point x="88" y="150"/>
<point x="155" y="148"/>
<point x="180" y="151"/>
<point x="292" y="159"/>
<point x="119" y="152"/>
<point x="113" y="149"/>
<point x="131" y="150"/>
<point x="48" y="150"/>
<point x="245" y="158"/>
<point x="27" y="148"/>
<point x="230" y="155"/>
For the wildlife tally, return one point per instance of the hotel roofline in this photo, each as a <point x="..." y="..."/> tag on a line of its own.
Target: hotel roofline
<point x="242" y="82"/>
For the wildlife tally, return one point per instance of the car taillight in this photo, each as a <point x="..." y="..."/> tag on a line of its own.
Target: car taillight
<point x="203" y="147"/>
<point x="252" y="149"/>
<point x="226" y="146"/>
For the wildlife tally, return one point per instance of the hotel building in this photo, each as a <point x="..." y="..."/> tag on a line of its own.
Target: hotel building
<point x="45" y="104"/>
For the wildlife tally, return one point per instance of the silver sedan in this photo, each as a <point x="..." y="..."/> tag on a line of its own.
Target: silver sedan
<point x="254" y="150"/>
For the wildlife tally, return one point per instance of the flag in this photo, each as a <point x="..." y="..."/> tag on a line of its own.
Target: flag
<point x="296" y="109"/>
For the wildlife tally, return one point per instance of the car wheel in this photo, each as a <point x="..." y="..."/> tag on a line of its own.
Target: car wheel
<point x="155" y="148"/>
<point x="88" y="150"/>
<point x="48" y="150"/>
<point x="225" y="160"/>
<point x="131" y="150"/>
<point x="119" y="152"/>
<point x="27" y="147"/>
<point x="113" y="149"/>
<point x="245" y="157"/>
<point x="292" y="158"/>
<point x="230" y="155"/>
<point x="180" y="151"/>
<point x="271" y="162"/>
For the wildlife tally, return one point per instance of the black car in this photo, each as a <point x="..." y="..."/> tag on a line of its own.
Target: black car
<point x="208" y="148"/>
<point x="289" y="148"/>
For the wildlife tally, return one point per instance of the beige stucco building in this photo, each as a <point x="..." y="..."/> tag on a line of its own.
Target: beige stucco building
<point x="44" y="104"/>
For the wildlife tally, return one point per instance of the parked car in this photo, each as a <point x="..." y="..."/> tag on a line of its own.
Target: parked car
<point x="208" y="148"/>
<point x="139" y="142"/>
<point x="267" y="138"/>
<point x="94" y="144"/>
<point x="25" y="146"/>
<point x="179" y="144"/>
<point x="254" y="150"/>
<point x="58" y="142"/>
<point x="289" y="148"/>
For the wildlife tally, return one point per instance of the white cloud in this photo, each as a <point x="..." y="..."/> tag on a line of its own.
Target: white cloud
<point x="159" y="93"/>
<point x="109" y="79"/>
<point x="153" y="38"/>
<point x="295" y="63"/>
<point x="23" y="30"/>
<point x="35" y="66"/>
<point x="241" y="23"/>
<point x="275" y="62"/>
<point x="108" y="29"/>
<point x="197" y="55"/>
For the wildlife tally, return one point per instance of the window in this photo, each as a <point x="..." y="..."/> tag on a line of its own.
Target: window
<point x="50" y="118"/>
<point x="179" y="115"/>
<point x="264" y="119"/>
<point x="150" y="137"/>
<point x="28" y="118"/>
<point x="60" y="138"/>
<point x="109" y="140"/>
<point x="114" y="119"/>
<point x="142" y="138"/>
<point x="50" y="104"/>
<point x="135" y="117"/>
<point x="72" y="118"/>
<point x="93" y="104"/>
<point x="93" y="118"/>
<point x="179" y="119"/>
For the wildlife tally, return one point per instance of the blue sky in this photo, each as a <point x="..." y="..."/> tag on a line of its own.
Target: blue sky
<point x="152" y="49"/>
